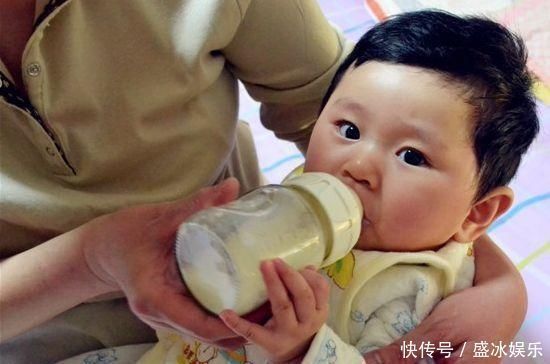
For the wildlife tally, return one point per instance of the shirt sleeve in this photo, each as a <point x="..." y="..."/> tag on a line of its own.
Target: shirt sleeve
<point x="285" y="53"/>
<point x="327" y="347"/>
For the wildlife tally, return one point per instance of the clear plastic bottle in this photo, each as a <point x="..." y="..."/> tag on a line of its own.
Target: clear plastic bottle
<point x="312" y="219"/>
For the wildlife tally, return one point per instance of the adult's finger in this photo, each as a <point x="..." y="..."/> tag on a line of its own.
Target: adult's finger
<point x="229" y="344"/>
<point x="181" y="314"/>
<point x="254" y="333"/>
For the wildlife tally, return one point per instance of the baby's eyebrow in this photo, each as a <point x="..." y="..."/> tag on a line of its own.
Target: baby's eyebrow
<point x="348" y="103"/>
<point x="411" y="127"/>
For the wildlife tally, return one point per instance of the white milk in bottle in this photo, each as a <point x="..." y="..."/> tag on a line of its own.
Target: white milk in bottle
<point x="312" y="219"/>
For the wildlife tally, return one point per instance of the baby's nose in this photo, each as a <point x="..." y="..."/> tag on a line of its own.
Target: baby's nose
<point x="365" y="167"/>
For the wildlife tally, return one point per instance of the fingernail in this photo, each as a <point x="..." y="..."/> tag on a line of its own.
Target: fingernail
<point x="311" y="267"/>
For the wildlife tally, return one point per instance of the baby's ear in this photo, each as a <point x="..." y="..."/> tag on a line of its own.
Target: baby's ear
<point x="484" y="212"/>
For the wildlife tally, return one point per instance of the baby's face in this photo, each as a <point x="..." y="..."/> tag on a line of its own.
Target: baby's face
<point x="400" y="137"/>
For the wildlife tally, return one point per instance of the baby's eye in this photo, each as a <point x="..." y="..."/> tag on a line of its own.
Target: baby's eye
<point x="348" y="130"/>
<point x="413" y="157"/>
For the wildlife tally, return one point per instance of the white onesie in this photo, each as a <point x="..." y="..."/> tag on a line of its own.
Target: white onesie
<point x="386" y="296"/>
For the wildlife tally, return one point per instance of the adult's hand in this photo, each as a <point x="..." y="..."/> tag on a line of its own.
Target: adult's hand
<point x="130" y="250"/>
<point x="133" y="250"/>
<point x="492" y="312"/>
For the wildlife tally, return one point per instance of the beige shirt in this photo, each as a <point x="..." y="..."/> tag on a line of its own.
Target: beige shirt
<point x="135" y="101"/>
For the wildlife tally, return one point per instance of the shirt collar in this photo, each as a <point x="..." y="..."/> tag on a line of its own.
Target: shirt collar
<point x="43" y="8"/>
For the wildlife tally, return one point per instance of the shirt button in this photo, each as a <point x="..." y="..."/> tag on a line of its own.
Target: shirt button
<point x="33" y="69"/>
<point x="50" y="151"/>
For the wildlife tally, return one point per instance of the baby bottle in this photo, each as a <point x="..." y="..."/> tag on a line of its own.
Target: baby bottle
<point x="311" y="219"/>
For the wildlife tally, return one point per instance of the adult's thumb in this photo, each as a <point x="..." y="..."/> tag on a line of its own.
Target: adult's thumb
<point x="220" y="194"/>
<point x="226" y="191"/>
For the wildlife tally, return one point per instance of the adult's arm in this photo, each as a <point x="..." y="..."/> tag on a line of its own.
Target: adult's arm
<point x="285" y="53"/>
<point x="130" y="251"/>
<point x="42" y="282"/>
<point x="491" y="311"/>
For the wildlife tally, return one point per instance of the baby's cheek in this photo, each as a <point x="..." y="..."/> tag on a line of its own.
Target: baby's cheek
<point x="312" y="162"/>
<point x="409" y="211"/>
<point x="408" y="223"/>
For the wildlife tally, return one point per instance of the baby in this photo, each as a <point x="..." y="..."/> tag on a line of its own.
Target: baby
<point x="427" y="121"/>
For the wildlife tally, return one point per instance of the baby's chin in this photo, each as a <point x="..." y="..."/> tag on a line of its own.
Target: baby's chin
<point x="367" y="238"/>
<point x="370" y="241"/>
<point x="307" y="167"/>
<point x="369" y="245"/>
<point x="363" y="243"/>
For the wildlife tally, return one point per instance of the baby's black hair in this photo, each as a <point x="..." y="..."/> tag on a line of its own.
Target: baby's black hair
<point x="480" y="55"/>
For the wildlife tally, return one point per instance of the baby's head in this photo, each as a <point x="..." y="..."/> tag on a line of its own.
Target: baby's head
<point x="427" y="120"/>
